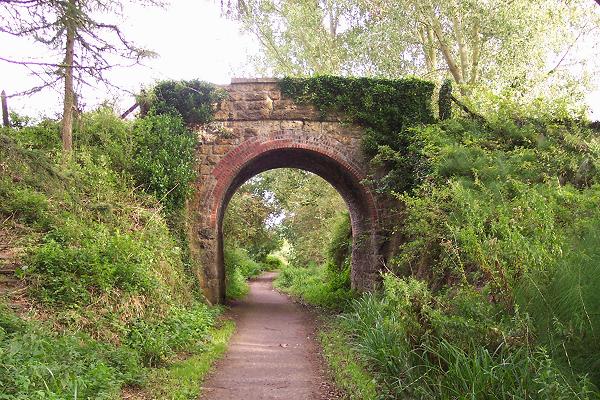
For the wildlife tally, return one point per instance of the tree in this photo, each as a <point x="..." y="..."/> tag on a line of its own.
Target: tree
<point x="247" y="223"/>
<point x="302" y="37"/>
<point x="289" y="204"/>
<point x="493" y="42"/>
<point x="309" y="209"/>
<point x="83" y="47"/>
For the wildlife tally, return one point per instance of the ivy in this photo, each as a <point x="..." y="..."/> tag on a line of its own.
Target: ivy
<point x="445" y="100"/>
<point x="192" y="100"/>
<point x="388" y="108"/>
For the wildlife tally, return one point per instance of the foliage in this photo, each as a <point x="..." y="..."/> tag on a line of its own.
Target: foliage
<point x="350" y="373"/>
<point x="90" y="46"/>
<point x="387" y="108"/>
<point x="451" y="344"/>
<point x="246" y="222"/>
<point x="308" y="207"/>
<point x="384" y="105"/>
<point x="100" y="263"/>
<point x="339" y="248"/>
<point x="96" y="238"/>
<point x="192" y="100"/>
<point x="42" y="136"/>
<point x="494" y="44"/>
<point x="445" y="100"/>
<point x="505" y="208"/>
<point x="163" y="158"/>
<point x="274" y="262"/>
<point x="561" y="302"/>
<point x="314" y="285"/>
<point x="39" y="364"/>
<point x="183" y="328"/>
<point x="182" y="379"/>
<point x="239" y="266"/>
<point x="499" y="251"/>
<point x="103" y="134"/>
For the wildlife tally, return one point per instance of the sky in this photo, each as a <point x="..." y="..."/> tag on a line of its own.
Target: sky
<point x="192" y="38"/>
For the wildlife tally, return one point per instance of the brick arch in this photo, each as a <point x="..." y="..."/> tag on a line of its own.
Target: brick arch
<point x="253" y="136"/>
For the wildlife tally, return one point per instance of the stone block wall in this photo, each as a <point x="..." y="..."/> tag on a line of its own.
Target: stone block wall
<point x="257" y="129"/>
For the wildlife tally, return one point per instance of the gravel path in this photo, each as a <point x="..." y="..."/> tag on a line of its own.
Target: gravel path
<point x="273" y="354"/>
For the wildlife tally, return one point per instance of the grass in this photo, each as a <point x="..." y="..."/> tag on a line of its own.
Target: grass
<point x="349" y="373"/>
<point x="239" y="267"/>
<point x="182" y="379"/>
<point x="313" y="285"/>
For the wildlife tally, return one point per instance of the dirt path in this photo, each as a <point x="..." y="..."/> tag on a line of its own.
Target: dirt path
<point x="273" y="354"/>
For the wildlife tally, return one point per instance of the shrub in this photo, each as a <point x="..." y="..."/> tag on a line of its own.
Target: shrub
<point x="24" y="203"/>
<point x="239" y="266"/>
<point x="446" y="346"/>
<point x="39" y="364"/>
<point x="312" y="285"/>
<point x="163" y="158"/>
<point x="43" y="136"/>
<point x="561" y="303"/>
<point x="274" y="262"/>
<point x="191" y="100"/>
<point x="105" y="135"/>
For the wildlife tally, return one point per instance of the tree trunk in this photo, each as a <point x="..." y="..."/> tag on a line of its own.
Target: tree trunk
<point x="476" y="46"/>
<point x="69" y="102"/>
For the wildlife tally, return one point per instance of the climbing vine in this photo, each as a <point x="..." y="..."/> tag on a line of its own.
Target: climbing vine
<point x="192" y="100"/>
<point x="387" y="108"/>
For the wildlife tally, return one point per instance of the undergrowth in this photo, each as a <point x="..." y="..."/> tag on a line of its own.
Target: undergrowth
<point x="492" y="292"/>
<point x="326" y="285"/>
<point x="239" y="267"/>
<point x="106" y="266"/>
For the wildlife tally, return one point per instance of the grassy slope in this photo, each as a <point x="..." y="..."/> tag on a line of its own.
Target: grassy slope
<point x="104" y="294"/>
<point x="496" y="275"/>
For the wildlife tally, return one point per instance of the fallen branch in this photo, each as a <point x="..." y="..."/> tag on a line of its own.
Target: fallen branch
<point x="130" y="110"/>
<point x="466" y="109"/>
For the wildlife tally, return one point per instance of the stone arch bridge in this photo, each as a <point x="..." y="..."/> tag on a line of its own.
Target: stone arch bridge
<point x="257" y="129"/>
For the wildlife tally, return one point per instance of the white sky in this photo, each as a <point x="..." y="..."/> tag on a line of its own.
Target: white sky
<point x="192" y="39"/>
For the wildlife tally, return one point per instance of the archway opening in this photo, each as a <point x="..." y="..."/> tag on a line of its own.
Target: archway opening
<point x="291" y="220"/>
<point x="342" y="177"/>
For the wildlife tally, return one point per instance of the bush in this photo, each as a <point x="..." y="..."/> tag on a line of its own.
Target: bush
<point x="313" y="285"/>
<point x="561" y="303"/>
<point x="38" y="364"/>
<point x="450" y="346"/>
<point x="191" y="100"/>
<point x="23" y="203"/>
<point x="274" y="262"/>
<point x="163" y="158"/>
<point x="100" y="262"/>
<point x="239" y="266"/>
<point x="43" y="136"/>
<point x="105" y="135"/>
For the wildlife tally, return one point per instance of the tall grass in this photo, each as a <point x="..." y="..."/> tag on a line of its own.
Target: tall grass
<point x="420" y="348"/>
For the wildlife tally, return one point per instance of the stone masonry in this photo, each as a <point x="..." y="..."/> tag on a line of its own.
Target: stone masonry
<point x="257" y="129"/>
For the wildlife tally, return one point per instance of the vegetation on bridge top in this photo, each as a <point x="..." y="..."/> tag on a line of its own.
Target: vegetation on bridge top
<point x="388" y="108"/>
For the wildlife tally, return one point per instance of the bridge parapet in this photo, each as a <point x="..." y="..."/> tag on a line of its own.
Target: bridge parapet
<point x="261" y="99"/>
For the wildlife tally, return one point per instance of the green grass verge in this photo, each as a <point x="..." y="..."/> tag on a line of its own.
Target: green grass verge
<point x="182" y="379"/>
<point x="350" y="376"/>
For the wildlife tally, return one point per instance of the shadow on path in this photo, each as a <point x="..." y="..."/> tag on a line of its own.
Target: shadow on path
<point x="272" y="355"/>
